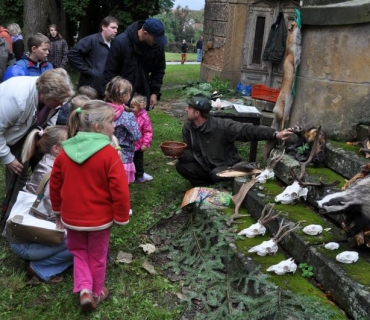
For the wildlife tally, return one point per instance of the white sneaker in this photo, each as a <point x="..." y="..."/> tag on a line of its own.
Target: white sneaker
<point x="147" y="177"/>
<point x="130" y="213"/>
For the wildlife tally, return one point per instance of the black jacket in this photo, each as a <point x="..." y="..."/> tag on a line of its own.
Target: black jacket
<point x="88" y="56"/>
<point x="142" y="65"/>
<point x="212" y="144"/>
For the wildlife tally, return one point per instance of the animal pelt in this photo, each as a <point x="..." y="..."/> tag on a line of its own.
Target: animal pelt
<point x="291" y="62"/>
<point x="365" y="170"/>
<point x="354" y="202"/>
<point x="301" y="146"/>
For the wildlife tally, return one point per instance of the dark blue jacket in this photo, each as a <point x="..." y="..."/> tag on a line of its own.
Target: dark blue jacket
<point x="144" y="66"/>
<point x="88" y="56"/>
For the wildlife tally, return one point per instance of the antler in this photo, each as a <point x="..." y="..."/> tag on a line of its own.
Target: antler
<point x="265" y="219"/>
<point x="239" y="197"/>
<point x="276" y="239"/>
<point x="274" y="159"/>
<point x="315" y="149"/>
<point x="313" y="184"/>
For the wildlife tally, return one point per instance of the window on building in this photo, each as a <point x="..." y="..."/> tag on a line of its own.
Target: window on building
<point x="258" y="40"/>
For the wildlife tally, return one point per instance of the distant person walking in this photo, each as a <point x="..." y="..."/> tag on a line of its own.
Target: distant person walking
<point x="89" y="54"/>
<point x="199" y="49"/>
<point x="184" y="51"/>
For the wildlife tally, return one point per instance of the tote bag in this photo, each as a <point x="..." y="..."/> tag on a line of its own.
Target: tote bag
<point x="26" y="226"/>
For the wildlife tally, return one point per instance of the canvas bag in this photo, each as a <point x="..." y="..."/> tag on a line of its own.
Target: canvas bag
<point x="276" y="42"/>
<point x="24" y="225"/>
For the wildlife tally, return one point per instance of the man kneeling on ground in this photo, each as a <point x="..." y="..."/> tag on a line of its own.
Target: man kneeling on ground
<point x="211" y="148"/>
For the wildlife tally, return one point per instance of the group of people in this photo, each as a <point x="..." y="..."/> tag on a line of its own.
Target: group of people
<point x="99" y="134"/>
<point x="93" y="143"/>
<point x="43" y="53"/>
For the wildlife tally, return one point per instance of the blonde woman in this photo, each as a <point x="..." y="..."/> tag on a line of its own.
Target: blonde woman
<point x="17" y="40"/>
<point x="26" y="102"/>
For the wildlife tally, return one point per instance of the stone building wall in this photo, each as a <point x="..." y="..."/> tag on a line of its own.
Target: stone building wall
<point x="333" y="84"/>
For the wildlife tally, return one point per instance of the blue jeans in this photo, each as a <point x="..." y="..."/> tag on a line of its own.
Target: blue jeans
<point x="46" y="260"/>
<point x="199" y="55"/>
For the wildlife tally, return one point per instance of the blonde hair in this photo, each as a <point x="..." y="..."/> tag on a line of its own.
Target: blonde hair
<point x="92" y="112"/>
<point x="78" y="101"/>
<point x="43" y="141"/>
<point x="55" y="84"/>
<point x="138" y="100"/>
<point x="14" y="29"/>
<point x="117" y="90"/>
<point x="37" y="40"/>
<point x="88" y="91"/>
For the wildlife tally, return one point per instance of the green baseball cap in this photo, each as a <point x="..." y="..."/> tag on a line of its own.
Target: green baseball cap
<point x="200" y="102"/>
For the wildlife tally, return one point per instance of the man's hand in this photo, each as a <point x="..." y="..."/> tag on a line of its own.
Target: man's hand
<point x="15" y="166"/>
<point x="153" y="101"/>
<point x="285" y="134"/>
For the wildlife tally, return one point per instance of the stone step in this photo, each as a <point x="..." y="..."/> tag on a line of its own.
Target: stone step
<point x="348" y="284"/>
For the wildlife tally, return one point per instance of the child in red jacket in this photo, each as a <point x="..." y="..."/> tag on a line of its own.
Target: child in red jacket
<point x="89" y="191"/>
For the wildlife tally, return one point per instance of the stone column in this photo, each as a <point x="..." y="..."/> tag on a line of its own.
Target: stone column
<point x="333" y="85"/>
<point x="224" y="21"/>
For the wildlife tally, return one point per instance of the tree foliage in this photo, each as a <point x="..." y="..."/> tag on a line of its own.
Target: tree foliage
<point x="179" y="24"/>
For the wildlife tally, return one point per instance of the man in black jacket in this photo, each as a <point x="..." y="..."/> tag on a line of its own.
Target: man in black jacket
<point x="211" y="148"/>
<point x="89" y="54"/>
<point x="138" y="55"/>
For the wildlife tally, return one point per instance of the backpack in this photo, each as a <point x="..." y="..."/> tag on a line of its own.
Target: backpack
<point x="276" y="42"/>
<point x="6" y="57"/>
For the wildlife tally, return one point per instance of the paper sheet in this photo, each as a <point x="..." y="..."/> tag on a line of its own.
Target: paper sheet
<point x="245" y="109"/>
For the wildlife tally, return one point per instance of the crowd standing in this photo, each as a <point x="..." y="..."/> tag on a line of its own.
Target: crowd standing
<point x="45" y="127"/>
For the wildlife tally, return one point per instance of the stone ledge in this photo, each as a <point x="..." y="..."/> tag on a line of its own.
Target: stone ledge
<point x="324" y="13"/>
<point x="352" y="295"/>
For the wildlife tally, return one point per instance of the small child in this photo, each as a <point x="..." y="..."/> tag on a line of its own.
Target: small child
<point x="138" y="104"/>
<point x="85" y="91"/>
<point x="46" y="262"/>
<point x="89" y="191"/>
<point x="117" y="93"/>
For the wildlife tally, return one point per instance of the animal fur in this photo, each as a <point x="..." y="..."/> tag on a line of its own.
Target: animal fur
<point x="285" y="99"/>
<point x="291" y="62"/>
<point x="355" y="203"/>
<point x="303" y="137"/>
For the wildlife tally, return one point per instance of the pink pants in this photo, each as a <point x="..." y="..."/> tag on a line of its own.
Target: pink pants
<point x="89" y="249"/>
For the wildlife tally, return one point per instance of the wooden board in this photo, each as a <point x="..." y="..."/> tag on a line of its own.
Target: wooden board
<point x="233" y="173"/>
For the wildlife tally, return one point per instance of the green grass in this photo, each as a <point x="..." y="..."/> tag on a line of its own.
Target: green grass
<point x="180" y="74"/>
<point x="174" y="56"/>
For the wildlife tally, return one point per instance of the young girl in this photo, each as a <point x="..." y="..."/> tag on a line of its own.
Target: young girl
<point x="138" y="104"/>
<point x="46" y="261"/>
<point x="89" y="191"/>
<point x="117" y="93"/>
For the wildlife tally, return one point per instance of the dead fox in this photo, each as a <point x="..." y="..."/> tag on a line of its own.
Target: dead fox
<point x="291" y="62"/>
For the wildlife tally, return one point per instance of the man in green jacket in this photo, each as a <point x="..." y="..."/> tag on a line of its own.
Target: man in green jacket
<point x="211" y="148"/>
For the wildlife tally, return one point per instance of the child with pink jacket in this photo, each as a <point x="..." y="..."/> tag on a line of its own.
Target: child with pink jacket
<point x="138" y="104"/>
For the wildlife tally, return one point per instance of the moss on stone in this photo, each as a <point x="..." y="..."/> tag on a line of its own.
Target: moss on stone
<point x="325" y="174"/>
<point x="358" y="271"/>
<point x="293" y="282"/>
<point x="345" y="146"/>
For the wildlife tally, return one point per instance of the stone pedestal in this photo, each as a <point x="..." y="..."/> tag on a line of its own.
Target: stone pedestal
<point x="224" y="24"/>
<point x="333" y="85"/>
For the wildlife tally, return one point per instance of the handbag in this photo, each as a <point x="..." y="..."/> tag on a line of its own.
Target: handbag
<point x="276" y="42"/>
<point x="23" y="224"/>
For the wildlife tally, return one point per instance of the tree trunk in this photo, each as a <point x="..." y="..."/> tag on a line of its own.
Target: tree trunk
<point x="36" y="17"/>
